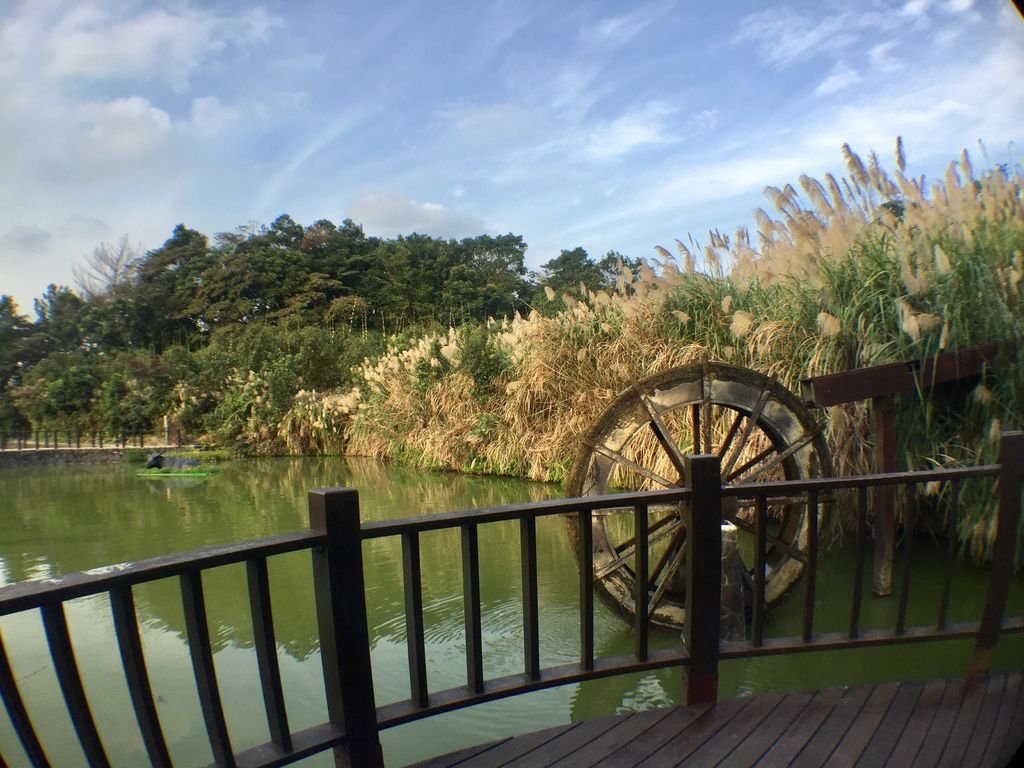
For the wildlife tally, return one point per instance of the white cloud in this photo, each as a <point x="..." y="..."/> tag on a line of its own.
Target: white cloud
<point x="574" y="89"/>
<point x="499" y="123"/>
<point x="210" y="117"/>
<point x="390" y="213"/>
<point x="841" y="77"/>
<point x="959" y="6"/>
<point x="916" y="8"/>
<point x="881" y="57"/>
<point x="619" y="30"/>
<point x="783" y="36"/>
<point x="25" y="238"/>
<point x="303" y="61"/>
<point x="88" y="43"/>
<point x="124" y="127"/>
<point x="645" y="126"/>
<point x="706" y="120"/>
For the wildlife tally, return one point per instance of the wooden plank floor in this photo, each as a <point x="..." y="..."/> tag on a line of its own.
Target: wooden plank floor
<point x="939" y="723"/>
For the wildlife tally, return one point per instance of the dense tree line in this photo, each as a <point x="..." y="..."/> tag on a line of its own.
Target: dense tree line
<point x="178" y="329"/>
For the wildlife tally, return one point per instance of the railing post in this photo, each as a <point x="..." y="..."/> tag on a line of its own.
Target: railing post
<point x="885" y="496"/>
<point x="702" y="625"/>
<point x="1011" y="465"/>
<point x="341" y="619"/>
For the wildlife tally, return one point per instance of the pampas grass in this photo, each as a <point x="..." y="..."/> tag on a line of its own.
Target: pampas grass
<point x="846" y="273"/>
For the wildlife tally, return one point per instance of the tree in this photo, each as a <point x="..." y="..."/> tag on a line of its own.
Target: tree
<point x="107" y="269"/>
<point x="252" y="279"/>
<point x="612" y="264"/>
<point x="14" y="331"/>
<point x="498" y="274"/>
<point x="60" y="314"/>
<point x="569" y="270"/>
<point x="167" y="279"/>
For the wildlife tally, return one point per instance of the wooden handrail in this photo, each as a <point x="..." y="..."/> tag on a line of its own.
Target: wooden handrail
<point x="26" y="595"/>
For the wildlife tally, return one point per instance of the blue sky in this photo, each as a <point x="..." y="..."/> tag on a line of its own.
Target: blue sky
<point x="608" y="125"/>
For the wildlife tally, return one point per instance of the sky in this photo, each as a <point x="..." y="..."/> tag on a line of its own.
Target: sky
<point x="608" y="125"/>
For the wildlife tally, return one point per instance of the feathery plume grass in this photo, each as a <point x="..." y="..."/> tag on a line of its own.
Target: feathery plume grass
<point x="871" y="269"/>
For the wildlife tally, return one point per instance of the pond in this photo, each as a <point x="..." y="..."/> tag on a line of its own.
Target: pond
<point x="60" y="519"/>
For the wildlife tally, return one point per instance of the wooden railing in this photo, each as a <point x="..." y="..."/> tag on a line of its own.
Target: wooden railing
<point x="336" y="538"/>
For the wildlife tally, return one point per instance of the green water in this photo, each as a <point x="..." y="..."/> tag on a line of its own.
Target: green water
<point x="56" y="520"/>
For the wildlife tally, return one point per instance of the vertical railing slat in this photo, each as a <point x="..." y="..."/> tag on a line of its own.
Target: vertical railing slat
<point x="908" y="556"/>
<point x="412" y="578"/>
<point x="702" y="626"/>
<point x="126" y="627"/>
<point x="266" y="652"/>
<point x="339" y="588"/>
<point x="812" y="565"/>
<point x="760" y="555"/>
<point x="950" y="566"/>
<point x="641" y="526"/>
<point x="197" y="630"/>
<point x="56" y="626"/>
<point x="531" y="603"/>
<point x="861" y="556"/>
<point x="19" y="715"/>
<point x="472" y="609"/>
<point x="586" y="559"/>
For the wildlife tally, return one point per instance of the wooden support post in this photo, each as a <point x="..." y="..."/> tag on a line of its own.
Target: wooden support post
<point x="703" y="579"/>
<point x="341" y="618"/>
<point x="1011" y="467"/>
<point x="472" y="609"/>
<point x="885" y="500"/>
<point x="586" y="557"/>
<point x="531" y="604"/>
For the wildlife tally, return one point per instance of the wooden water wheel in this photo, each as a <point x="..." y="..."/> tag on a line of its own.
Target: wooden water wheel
<point x="757" y="427"/>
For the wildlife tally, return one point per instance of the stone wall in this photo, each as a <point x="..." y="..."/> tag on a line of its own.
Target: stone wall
<point x="30" y="458"/>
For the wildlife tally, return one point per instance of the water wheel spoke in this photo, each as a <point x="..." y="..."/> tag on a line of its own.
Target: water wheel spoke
<point x="705" y="411"/>
<point x="677" y="543"/>
<point x="751" y="463"/>
<point x="778" y="459"/>
<point x="733" y="429"/>
<point x="626" y="550"/>
<point x="673" y="567"/>
<point x="662" y="433"/>
<point x="630" y="464"/>
<point x="779" y="544"/>
<point x="748" y="428"/>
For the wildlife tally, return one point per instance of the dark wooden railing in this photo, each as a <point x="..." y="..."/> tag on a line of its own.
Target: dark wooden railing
<point x="336" y="538"/>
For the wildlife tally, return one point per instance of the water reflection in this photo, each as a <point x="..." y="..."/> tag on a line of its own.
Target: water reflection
<point x="60" y="520"/>
<point x="73" y="518"/>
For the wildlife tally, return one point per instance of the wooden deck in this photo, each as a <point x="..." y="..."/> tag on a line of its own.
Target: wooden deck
<point x="939" y="723"/>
